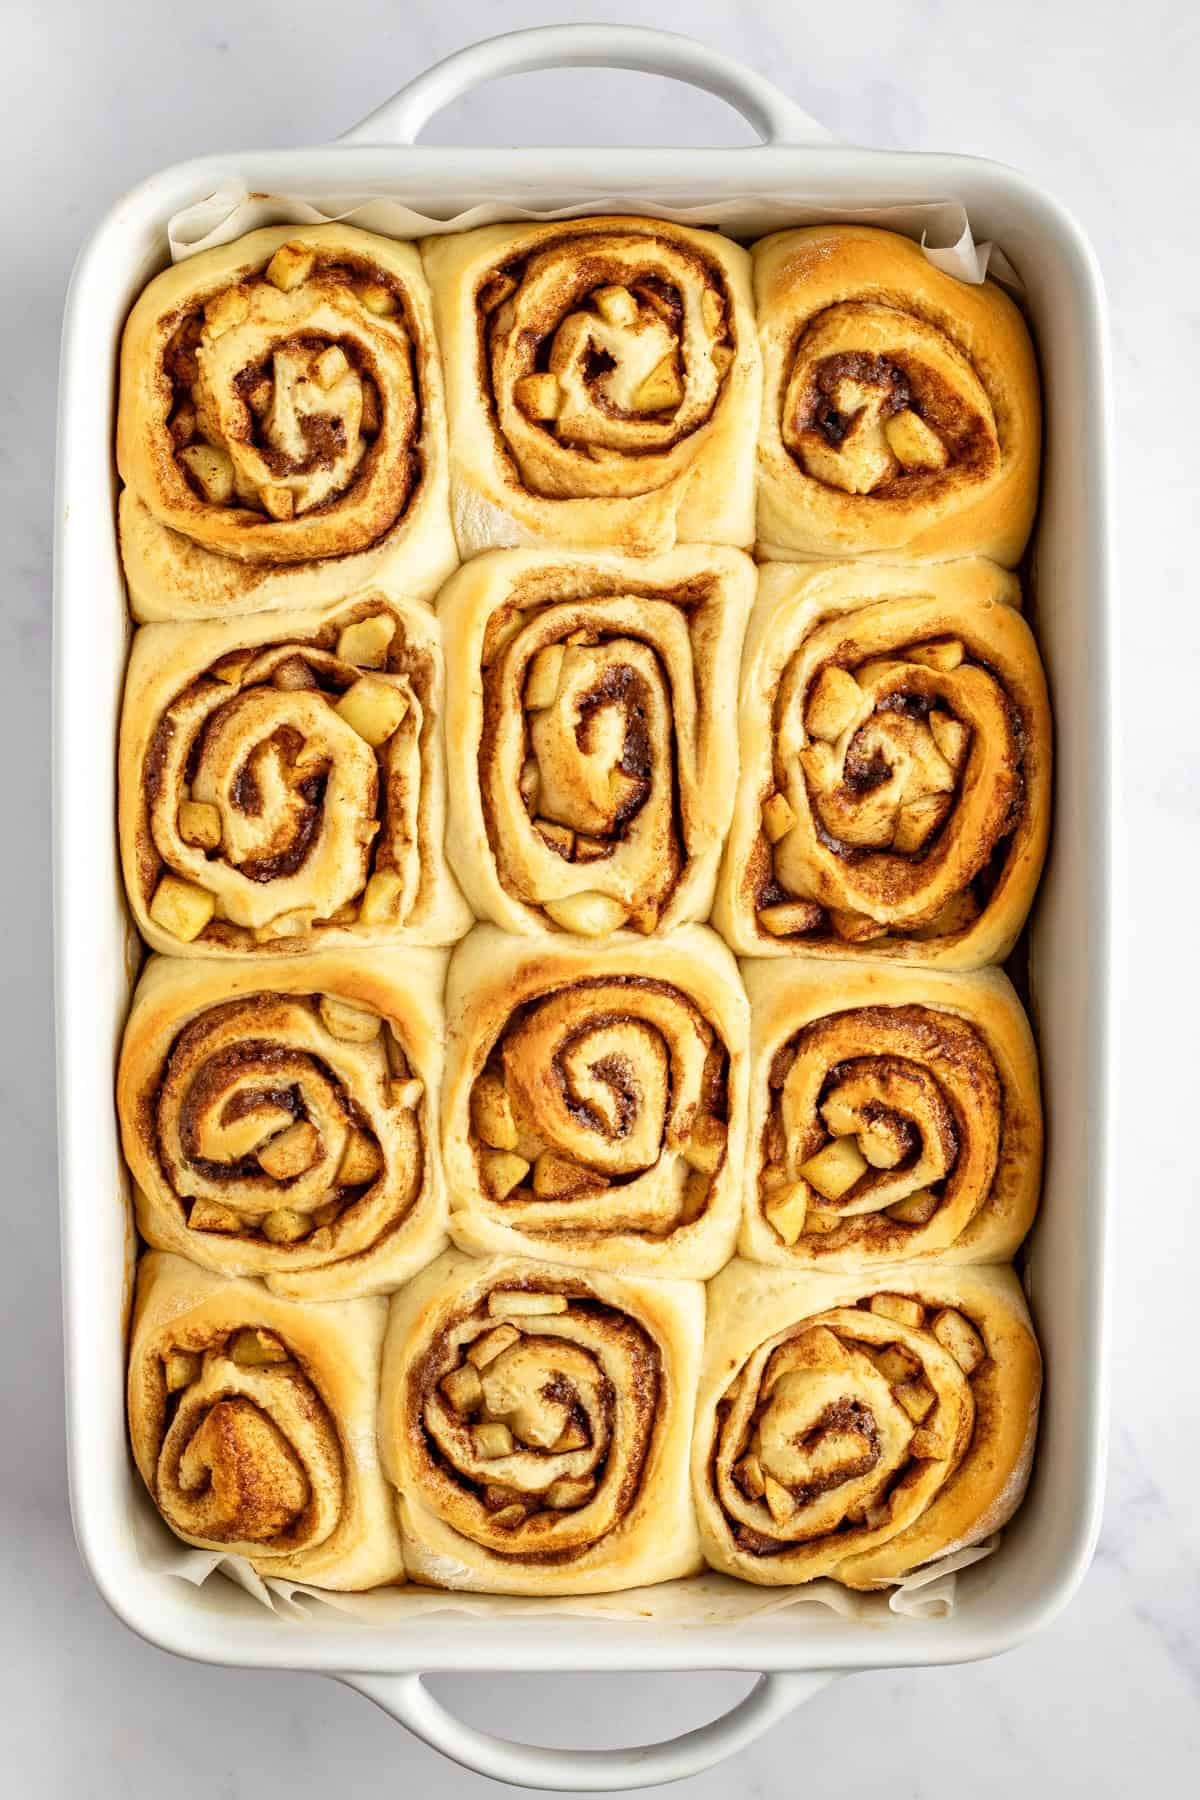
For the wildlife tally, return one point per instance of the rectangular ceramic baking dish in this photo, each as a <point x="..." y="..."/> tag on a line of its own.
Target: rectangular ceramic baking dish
<point x="1045" y="1552"/>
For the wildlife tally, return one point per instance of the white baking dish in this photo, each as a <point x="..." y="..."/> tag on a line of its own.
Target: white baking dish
<point x="1046" y="1551"/>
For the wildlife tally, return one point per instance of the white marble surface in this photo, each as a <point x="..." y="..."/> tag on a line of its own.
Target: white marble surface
<point x="1098" y="101"/>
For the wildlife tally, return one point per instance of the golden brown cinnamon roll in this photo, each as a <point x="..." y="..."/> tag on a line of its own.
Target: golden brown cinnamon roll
<point x="855" y="1426"/>
<point x="894" y="1114"/>
<point x="894" y="792"/>
<point x="591" y="716"/>
<point x="900" y="408"/>
<point x="595" y="1100"/>
<point x="281" y="431"/>
<point x="282" y="784"/>
<point x="603" y="384"/>
<point x="535" y="1422"/>
<point x="281" y="1118"/>
<point x="253" y="1425"/>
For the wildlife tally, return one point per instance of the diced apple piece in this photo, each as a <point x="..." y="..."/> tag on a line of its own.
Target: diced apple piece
<point x="278" y="501"/>
<point x="917" y="1398"/>
<point x="366" y="643"/>
<point x="566" y="1494"/>
<point x="957" y="1335"/>
<point x="855" y="928"/>
<point x="556" y="1177"/>
<point x="199" y="824"/>
<point x="373" y="708"/>
<point x="785" y="1209"/>
<point x="722" y="357"/>
<point x="254" y="1348"/>
<point x="492" y="1114"/>
<point x="914" y="443"/>
<point x="616" y="305"/>
<point x="181" y="908"/>
<point x="353" y="1024"/>
<point x="543" y="676"/>
<point x="662" y="390"/>
<point x="293" y="1151"/>
<point x="777" y="818"/>
<point x="330" y="366"/>
<point x="884" y="1141"/>
<point x="407" y="1093"/>
<point x="231" y="668"/>
<point x="207" y="1215"/>
<point x="834" y="1169"/>
<point x="487" y="1348"/>
<point x="950" y="735"/>
<point x="181" y="1368"/>
<point x="539" y="396"/>
<point x="834" y="702"/>
<point x="517" y="1303"/>
<point x="501" y="1171"/>
<point x="706" y="1144"/>
<point x="818" y="1223"/>
<point x="463" y="1388"/>
<point x="559" y="838"/>
<point x="915" y="1209"/>
<point x="749" y="1476"/>
<point x="587" y="914"/>
<point x="896" y="1364"/>
<point x="377" y="299"/>
<point x="943" y="654"/>
<point x="226" y="310"/>
<point x="789" y="918"/>
<point x="285" y="1227"/>
<point x="821" y="767"/>
<point x="361" y="1160"/>
<point x="291" y="264"/>
<point x="573" y="1438"/>
<point x="493" y="1439"/>
<point x="693" y="1201"/>
<point x="590" y="849"/>
<point x="529" y="783"/>
<point x="931" y="1441"/>
<point x="286" y="925"/>
<point x="902" y="1309"/>
<point x="960" y="911"/>
<point x="380" y="896"/>
<point x="293" y="676"/>
<point x="211" y="470"/>
<point x="917" y="822"/>
<point x="780" y="1502"/>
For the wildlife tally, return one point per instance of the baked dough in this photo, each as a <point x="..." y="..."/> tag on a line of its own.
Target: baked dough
<point x="281" y="1118"/>
<point x="592" y="705"/>
<point x="901" y="416"/>
<point x="894" y="1114"/>
<point x="281" y="431"/>
<point x="603" y="384"/>
<point x="857" y="1426"/>
<point x="595" y="1100"/>
<point x="282" y="784"/>
<point x="253" y="1425"/>
<point x="894" y="786"/>
<point x="536" y="1421"/>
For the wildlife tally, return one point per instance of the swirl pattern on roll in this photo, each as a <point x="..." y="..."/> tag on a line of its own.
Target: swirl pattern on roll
<point x="539" y="1418"/>
<point x="251" y="1425"/>
<point x="602" y="375"/>
<point x="283" y="786"/>
<point x="896" y="1112"/>
<point x="280" y="406"/>
<point x="896" y="757"/>
<point x="593" y="1111"/>
<point x="287" y="1134"/>
<point x="591" y="783"/>
<point x="901" y="410"/>
<point x="864" y="1437"/>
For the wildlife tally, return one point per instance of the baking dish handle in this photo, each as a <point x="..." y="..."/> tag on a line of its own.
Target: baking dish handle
<point x="776" y="118"/>
<point x="407" y="1698"/>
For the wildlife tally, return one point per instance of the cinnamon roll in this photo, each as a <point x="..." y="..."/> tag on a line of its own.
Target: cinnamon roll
<point x="592" y="705"/>
<point x="603" y="384"/>
<point x="901" y="415"/>
<point x="858" y="1426"/>
<point x="280" y="1119"/>
<point x="252" y="1421"/>
<point x="894" y="1114"/>
<point x="281" y="431"/>
<point x="894" y="792"/>
<point x="282" y="785"/>
<point x="595" y="1100"/>
<point x="535" y="1422"/>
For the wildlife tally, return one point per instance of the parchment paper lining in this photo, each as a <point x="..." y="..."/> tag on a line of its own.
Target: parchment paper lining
<point x="944" y="233"/>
